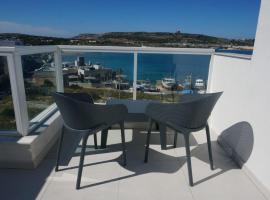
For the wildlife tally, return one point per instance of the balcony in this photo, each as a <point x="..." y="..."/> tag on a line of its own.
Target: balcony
<point x="164" y="176"/>
<point x="32" y="124"/>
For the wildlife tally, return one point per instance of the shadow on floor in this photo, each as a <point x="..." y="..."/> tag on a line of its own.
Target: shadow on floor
<point x="238" y="141"/>
<point x="24" y="184"/>
<point x="135" y="155"/>
<point x="28" y="184"/>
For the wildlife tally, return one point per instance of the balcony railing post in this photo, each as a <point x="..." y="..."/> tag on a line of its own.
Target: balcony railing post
<point x="18" y="93"/>
<point x="210" y="71"/>
<point x="135" y="70"/>
<point x="58" y="70"/>
<point x="209" y="81"/>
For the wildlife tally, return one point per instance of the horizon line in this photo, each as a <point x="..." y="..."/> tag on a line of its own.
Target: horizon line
<point x="101" y="33"/>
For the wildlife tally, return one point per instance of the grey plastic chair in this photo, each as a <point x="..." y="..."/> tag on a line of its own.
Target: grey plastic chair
<point x="85" y="98"/>
<point x="189" y="115"/>
<point x="82" y="116"/>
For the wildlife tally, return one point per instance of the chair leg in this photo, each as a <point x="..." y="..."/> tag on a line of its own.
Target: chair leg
<point x="175" y="139"/>
<point x="209" y="147"/>
<point x="85" y="137"/>
<point x="157" y="126"/>
<point x="186" y="136"/>
<point x="123" y="143"/>
<point x="95" y="141"/>
<point x="59" y="149"/>
<point x="148" y="141"/>
<point x="104" y="136"/>
<point x="163" y="136"/>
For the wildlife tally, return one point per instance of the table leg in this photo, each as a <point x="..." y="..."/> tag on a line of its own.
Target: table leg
<point x="104" y="136"/>
<point x="163" y="136"/>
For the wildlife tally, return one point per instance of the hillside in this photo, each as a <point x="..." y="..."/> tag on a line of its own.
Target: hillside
<point x="34" y="40"/>
<point x="159" y="39"/>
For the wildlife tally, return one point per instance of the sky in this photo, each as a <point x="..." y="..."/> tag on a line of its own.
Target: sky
<point x="66" y="18"/>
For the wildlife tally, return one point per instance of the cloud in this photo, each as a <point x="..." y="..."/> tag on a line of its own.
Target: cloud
<point x="12" y="27"/>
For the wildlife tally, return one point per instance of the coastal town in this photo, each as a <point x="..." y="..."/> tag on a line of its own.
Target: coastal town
<point x="94" y="75"/>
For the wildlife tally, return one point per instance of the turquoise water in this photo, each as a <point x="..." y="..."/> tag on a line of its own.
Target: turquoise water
<point x="155" y="67"/>
<point x="245" y="52"/>
<point x="151" y="66"/>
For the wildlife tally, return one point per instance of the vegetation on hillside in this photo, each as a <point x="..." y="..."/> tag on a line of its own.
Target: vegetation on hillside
<point x="159" y="39"/>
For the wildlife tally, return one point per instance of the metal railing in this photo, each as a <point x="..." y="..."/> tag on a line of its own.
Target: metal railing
<point x="14" y="60"/>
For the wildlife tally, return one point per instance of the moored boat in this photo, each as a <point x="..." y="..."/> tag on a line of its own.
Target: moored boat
<point x="168" y="83"/>
<point x="199" y="84"/>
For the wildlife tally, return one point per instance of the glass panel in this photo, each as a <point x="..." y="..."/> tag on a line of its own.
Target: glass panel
<point x="166" y="77"/>
<point x="103" y="75"/>
<point x="7" y="116"/>
<point x="40" y="82"/>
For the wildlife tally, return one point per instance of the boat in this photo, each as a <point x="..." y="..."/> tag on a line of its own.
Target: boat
<point x="143" y="85"/>
<point x="153" y="89"/>
<point x="168" y="83"/>
<point x="187" y="84"/>
<point x="199" y="84"/>
<point x="201" y="91"/>
<point x="180" y="86"/>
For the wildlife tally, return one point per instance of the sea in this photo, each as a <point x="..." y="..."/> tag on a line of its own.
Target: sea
<point x="153" y="67"/>
<point x="236" y="51"/>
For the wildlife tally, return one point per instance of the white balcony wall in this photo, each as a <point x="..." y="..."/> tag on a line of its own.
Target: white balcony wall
<point x="230" y="75"/>
<point x="246" y="97"/>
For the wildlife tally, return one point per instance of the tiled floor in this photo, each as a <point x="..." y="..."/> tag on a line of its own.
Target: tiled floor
<point x="163" y="177"/>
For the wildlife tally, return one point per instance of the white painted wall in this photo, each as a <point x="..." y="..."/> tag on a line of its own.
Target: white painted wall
<point x="247" y="96"/>
<point x="230" y="75"/>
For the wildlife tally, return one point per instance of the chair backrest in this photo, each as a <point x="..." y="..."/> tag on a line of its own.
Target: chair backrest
<point x="80" y="97"/>
<point x="189" y="97"/>
<point x="194" y="110"/>
<point x="72" y="108"/>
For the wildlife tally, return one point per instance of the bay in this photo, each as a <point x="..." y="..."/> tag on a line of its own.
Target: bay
<point x="151" y="67"/>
